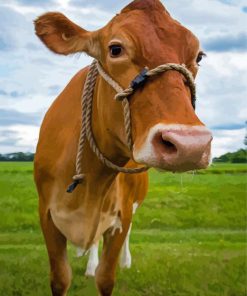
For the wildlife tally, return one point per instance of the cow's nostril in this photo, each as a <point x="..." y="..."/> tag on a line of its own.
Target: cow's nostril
<point x="169" y="146"/>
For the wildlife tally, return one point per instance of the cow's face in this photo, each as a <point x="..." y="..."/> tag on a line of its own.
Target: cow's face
<point x="166" y="132"/>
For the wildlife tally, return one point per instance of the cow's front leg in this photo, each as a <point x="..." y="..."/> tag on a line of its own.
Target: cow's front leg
<point x="60" y="275"/>
<point x="93" y="260"/>
<point x="125" y="257"/>
<point x="113" y="241"/>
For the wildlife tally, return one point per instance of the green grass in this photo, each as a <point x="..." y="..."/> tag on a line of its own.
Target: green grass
<point x="188" y="237"/>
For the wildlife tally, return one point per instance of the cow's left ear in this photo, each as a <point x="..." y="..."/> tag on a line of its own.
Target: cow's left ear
<point x="62" y="36"/>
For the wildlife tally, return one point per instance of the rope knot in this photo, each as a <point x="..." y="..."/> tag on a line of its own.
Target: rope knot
<point x="124" y="94"/>
<point x="79" y="177"/>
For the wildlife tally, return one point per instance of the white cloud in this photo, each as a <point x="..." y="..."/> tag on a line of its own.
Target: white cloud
<point x="21" y="138"/>
<point x="225" y="141"/>
<point x="208" y="17"/>
<point x="222" y="89"/>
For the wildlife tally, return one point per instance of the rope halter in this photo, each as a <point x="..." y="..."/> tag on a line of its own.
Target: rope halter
<point x="122" y="95"/>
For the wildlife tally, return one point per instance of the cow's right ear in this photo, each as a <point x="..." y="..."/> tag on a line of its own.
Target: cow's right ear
<point x="62" y="36"/>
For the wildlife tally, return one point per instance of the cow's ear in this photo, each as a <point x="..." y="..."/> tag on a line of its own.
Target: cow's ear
<point x="62" y="36"/>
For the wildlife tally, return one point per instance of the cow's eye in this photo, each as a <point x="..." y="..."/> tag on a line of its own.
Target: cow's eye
<point x="201" y="54"/>
<point x="116" y="50"/>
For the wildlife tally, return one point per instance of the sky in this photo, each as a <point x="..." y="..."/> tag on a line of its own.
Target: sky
<point x="31" y="76"/>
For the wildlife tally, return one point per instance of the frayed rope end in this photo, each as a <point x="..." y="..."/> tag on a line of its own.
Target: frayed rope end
<point x="77" y="180"/>
<point x="72" y="186"/>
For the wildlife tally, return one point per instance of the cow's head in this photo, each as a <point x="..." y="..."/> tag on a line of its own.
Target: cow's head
<point x="166" y="132"/>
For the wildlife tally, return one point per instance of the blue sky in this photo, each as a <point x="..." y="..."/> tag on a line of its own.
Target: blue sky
<point x="31" y="76"/>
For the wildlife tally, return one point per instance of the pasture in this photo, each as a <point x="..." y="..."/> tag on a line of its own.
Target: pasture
<point x="188" y="237"/>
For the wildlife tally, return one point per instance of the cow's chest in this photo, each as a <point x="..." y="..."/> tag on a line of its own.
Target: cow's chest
<point x="84" y="223"/>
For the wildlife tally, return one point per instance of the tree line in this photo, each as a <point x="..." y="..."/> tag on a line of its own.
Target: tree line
<point x="18" y="156"/>
<point x="239" y="156"/>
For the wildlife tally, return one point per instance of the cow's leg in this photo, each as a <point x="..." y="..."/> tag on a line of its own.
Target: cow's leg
<point x="93" y="260"/>
<point x="125" y="257"/>
<point x="56" y="243"/>
<point x="105" y="272"/>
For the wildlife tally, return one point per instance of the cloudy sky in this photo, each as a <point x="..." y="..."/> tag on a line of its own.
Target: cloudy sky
<point x="31" y="76"/>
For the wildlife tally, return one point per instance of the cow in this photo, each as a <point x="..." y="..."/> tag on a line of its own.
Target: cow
<point x="166" y="132"/>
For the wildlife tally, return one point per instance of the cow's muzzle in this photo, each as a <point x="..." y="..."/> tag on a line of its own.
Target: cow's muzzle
<point x="176" y="148"/>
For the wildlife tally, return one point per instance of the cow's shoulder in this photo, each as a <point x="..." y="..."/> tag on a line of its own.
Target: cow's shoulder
<point x="61" y="126"/>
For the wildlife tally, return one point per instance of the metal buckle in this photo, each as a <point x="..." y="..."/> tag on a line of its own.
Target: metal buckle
<point x="139" y="80"/>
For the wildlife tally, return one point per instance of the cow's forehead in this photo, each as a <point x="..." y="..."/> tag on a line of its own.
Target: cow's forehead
<point x="152" y="30"/>
<point x="144" y="5"/>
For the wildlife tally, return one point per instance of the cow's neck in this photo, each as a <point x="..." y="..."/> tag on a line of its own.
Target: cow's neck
<point x="108" y="130"/>
<point x="108" y="124"/>
<point x="109" y="133"/>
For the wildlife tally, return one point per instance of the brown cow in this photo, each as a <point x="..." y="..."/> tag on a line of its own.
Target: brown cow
<point x="166" y="132"/>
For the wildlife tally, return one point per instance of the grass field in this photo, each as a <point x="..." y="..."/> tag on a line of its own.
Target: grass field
<point x="188" y="238"/>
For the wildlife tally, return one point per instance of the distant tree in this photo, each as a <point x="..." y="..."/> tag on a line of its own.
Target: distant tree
<point x="18" y="156"/>
<point x="239" y="156"/>
<point x="2" y="158"/>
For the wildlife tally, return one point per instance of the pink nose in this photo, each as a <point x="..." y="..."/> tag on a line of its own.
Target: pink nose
<point x="183" y="149"/>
